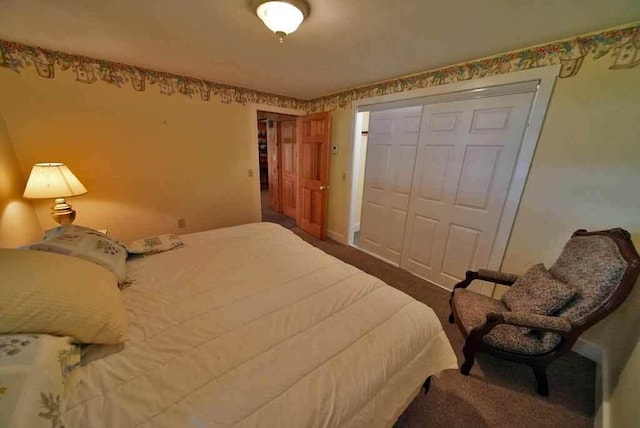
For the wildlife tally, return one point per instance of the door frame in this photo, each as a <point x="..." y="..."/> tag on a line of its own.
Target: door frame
<point x="253" y="108"/>
<point x="468" y="90"/>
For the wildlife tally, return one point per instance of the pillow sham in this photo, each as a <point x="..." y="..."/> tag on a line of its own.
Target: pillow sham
<point x="537" y="292"/>
<point x="35" y="375"/>
<point x="87" y="244"/>
<point x="67" y="228"/>
<point x="64" y="296"/>
<point x="155" y="244"/>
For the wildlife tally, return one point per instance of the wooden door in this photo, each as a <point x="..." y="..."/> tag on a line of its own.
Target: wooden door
<point x="289" y="167"/>
<point x="391" y="152"/>
<point x="466" y="158"/>
<point x="274" y="169"/>
<point x="313" y="167"/>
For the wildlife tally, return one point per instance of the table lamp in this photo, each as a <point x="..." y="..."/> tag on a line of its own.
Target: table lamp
<point x="54" y="180"/>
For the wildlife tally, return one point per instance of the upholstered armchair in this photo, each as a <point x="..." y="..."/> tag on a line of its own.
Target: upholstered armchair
<point x="601" y="267"/>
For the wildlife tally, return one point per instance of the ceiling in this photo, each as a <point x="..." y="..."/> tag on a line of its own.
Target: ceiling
<point x="343" y="43"/>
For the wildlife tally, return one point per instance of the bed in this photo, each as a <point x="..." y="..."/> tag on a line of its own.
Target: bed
<point x="251" y="326"/>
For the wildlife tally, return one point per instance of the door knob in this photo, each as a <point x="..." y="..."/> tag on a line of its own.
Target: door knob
<point x="324" y="187"/>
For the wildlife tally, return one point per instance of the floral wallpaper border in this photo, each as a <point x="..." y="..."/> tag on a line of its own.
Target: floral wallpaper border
<point x="621" y="45"/>
<point x="17" y="57"/>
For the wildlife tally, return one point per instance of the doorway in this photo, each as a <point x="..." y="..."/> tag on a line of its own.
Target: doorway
<point x="277" y="157"/>
<point x="359" y="162"/>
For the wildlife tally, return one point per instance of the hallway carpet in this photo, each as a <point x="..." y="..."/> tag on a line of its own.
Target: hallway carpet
<point x="271" y="216"/>
<point x="497" y="393"/>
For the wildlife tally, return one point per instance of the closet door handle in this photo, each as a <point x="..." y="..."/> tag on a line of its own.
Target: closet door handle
<point x="324" y="187"/>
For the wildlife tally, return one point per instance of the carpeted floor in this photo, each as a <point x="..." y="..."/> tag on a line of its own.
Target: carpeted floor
<point x="497" y="393"/>
<point x="272" y="216"/>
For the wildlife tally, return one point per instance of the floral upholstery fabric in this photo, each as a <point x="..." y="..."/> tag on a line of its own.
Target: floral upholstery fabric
<point x="472" y="309"/>
<point x="87" y="244"/>
<point x="537" y="292"/>
<point x="497" y="276"/>
<point x="535" y="321"/>
<point x="594" y="267"/>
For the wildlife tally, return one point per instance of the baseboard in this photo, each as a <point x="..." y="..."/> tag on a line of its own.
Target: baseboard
<point x="339" y="237"/>
<point x="602" y="418"/>
<point x="376" y="256"/>
<point x="598" y="355"/>
<point x="588" y="350"/>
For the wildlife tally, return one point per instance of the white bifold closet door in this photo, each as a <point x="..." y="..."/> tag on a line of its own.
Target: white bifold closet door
<point x="391" y="152"/>
<point x="465" y="160"/>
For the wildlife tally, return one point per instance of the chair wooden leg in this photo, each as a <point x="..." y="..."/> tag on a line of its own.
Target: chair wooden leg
<point x="540" y="372"/>
<point x="469" y="352"/>
<point x="427" y="384"/>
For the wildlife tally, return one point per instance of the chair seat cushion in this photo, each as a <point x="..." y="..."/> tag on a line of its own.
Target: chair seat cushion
<point x="472" y="309"/>
<point x="537" y="292"/>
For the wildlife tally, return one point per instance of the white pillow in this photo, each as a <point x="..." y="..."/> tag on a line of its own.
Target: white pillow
<point x="65" y="296"/>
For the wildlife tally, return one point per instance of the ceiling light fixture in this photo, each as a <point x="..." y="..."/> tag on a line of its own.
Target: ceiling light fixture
<point x="282" y="17"/>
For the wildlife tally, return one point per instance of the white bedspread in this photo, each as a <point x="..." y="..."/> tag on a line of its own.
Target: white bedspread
<point x="251" y="326"/>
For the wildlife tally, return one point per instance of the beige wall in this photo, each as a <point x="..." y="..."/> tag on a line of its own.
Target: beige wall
<point x="585" y="174"/>
<point x="146" y="159"/>
<point x="623" y="402"/>
<point x="341" y="129"/>
<point x="18" y="222"/>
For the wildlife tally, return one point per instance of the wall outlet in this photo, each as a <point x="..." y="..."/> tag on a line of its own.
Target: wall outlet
<point x="182" y="223"/>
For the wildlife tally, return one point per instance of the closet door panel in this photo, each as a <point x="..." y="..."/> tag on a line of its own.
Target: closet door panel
<point x="396" y="226"/>
<point x="431" y="176"/>
<point x="402" y="170"/>
<point x="373" y="226"/>
<point x="418" y="256"/>
<point x="466" y="157"/>
<point x="391" y="151"/>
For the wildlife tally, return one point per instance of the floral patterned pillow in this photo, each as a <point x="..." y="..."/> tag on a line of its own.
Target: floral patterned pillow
<point x="35" y="379"/>
<point x="537" y="292"/>
<point x="89" y="245"/>
<point x="155" y="244"/>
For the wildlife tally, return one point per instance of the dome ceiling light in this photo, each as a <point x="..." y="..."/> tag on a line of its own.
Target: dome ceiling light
<point x="282" y="17"/>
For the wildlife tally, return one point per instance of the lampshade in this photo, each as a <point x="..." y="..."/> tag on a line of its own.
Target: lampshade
<point x="282" y="17"/>
<point x="52" y="180"/>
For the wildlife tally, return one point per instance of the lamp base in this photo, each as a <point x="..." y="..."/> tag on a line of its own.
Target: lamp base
<point x="62" y="213"/>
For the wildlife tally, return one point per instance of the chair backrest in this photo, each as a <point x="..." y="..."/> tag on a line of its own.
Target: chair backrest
<point x="603" y="266"/>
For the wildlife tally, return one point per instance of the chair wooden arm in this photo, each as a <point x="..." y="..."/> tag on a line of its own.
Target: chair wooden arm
<point x="502" y="278"/>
